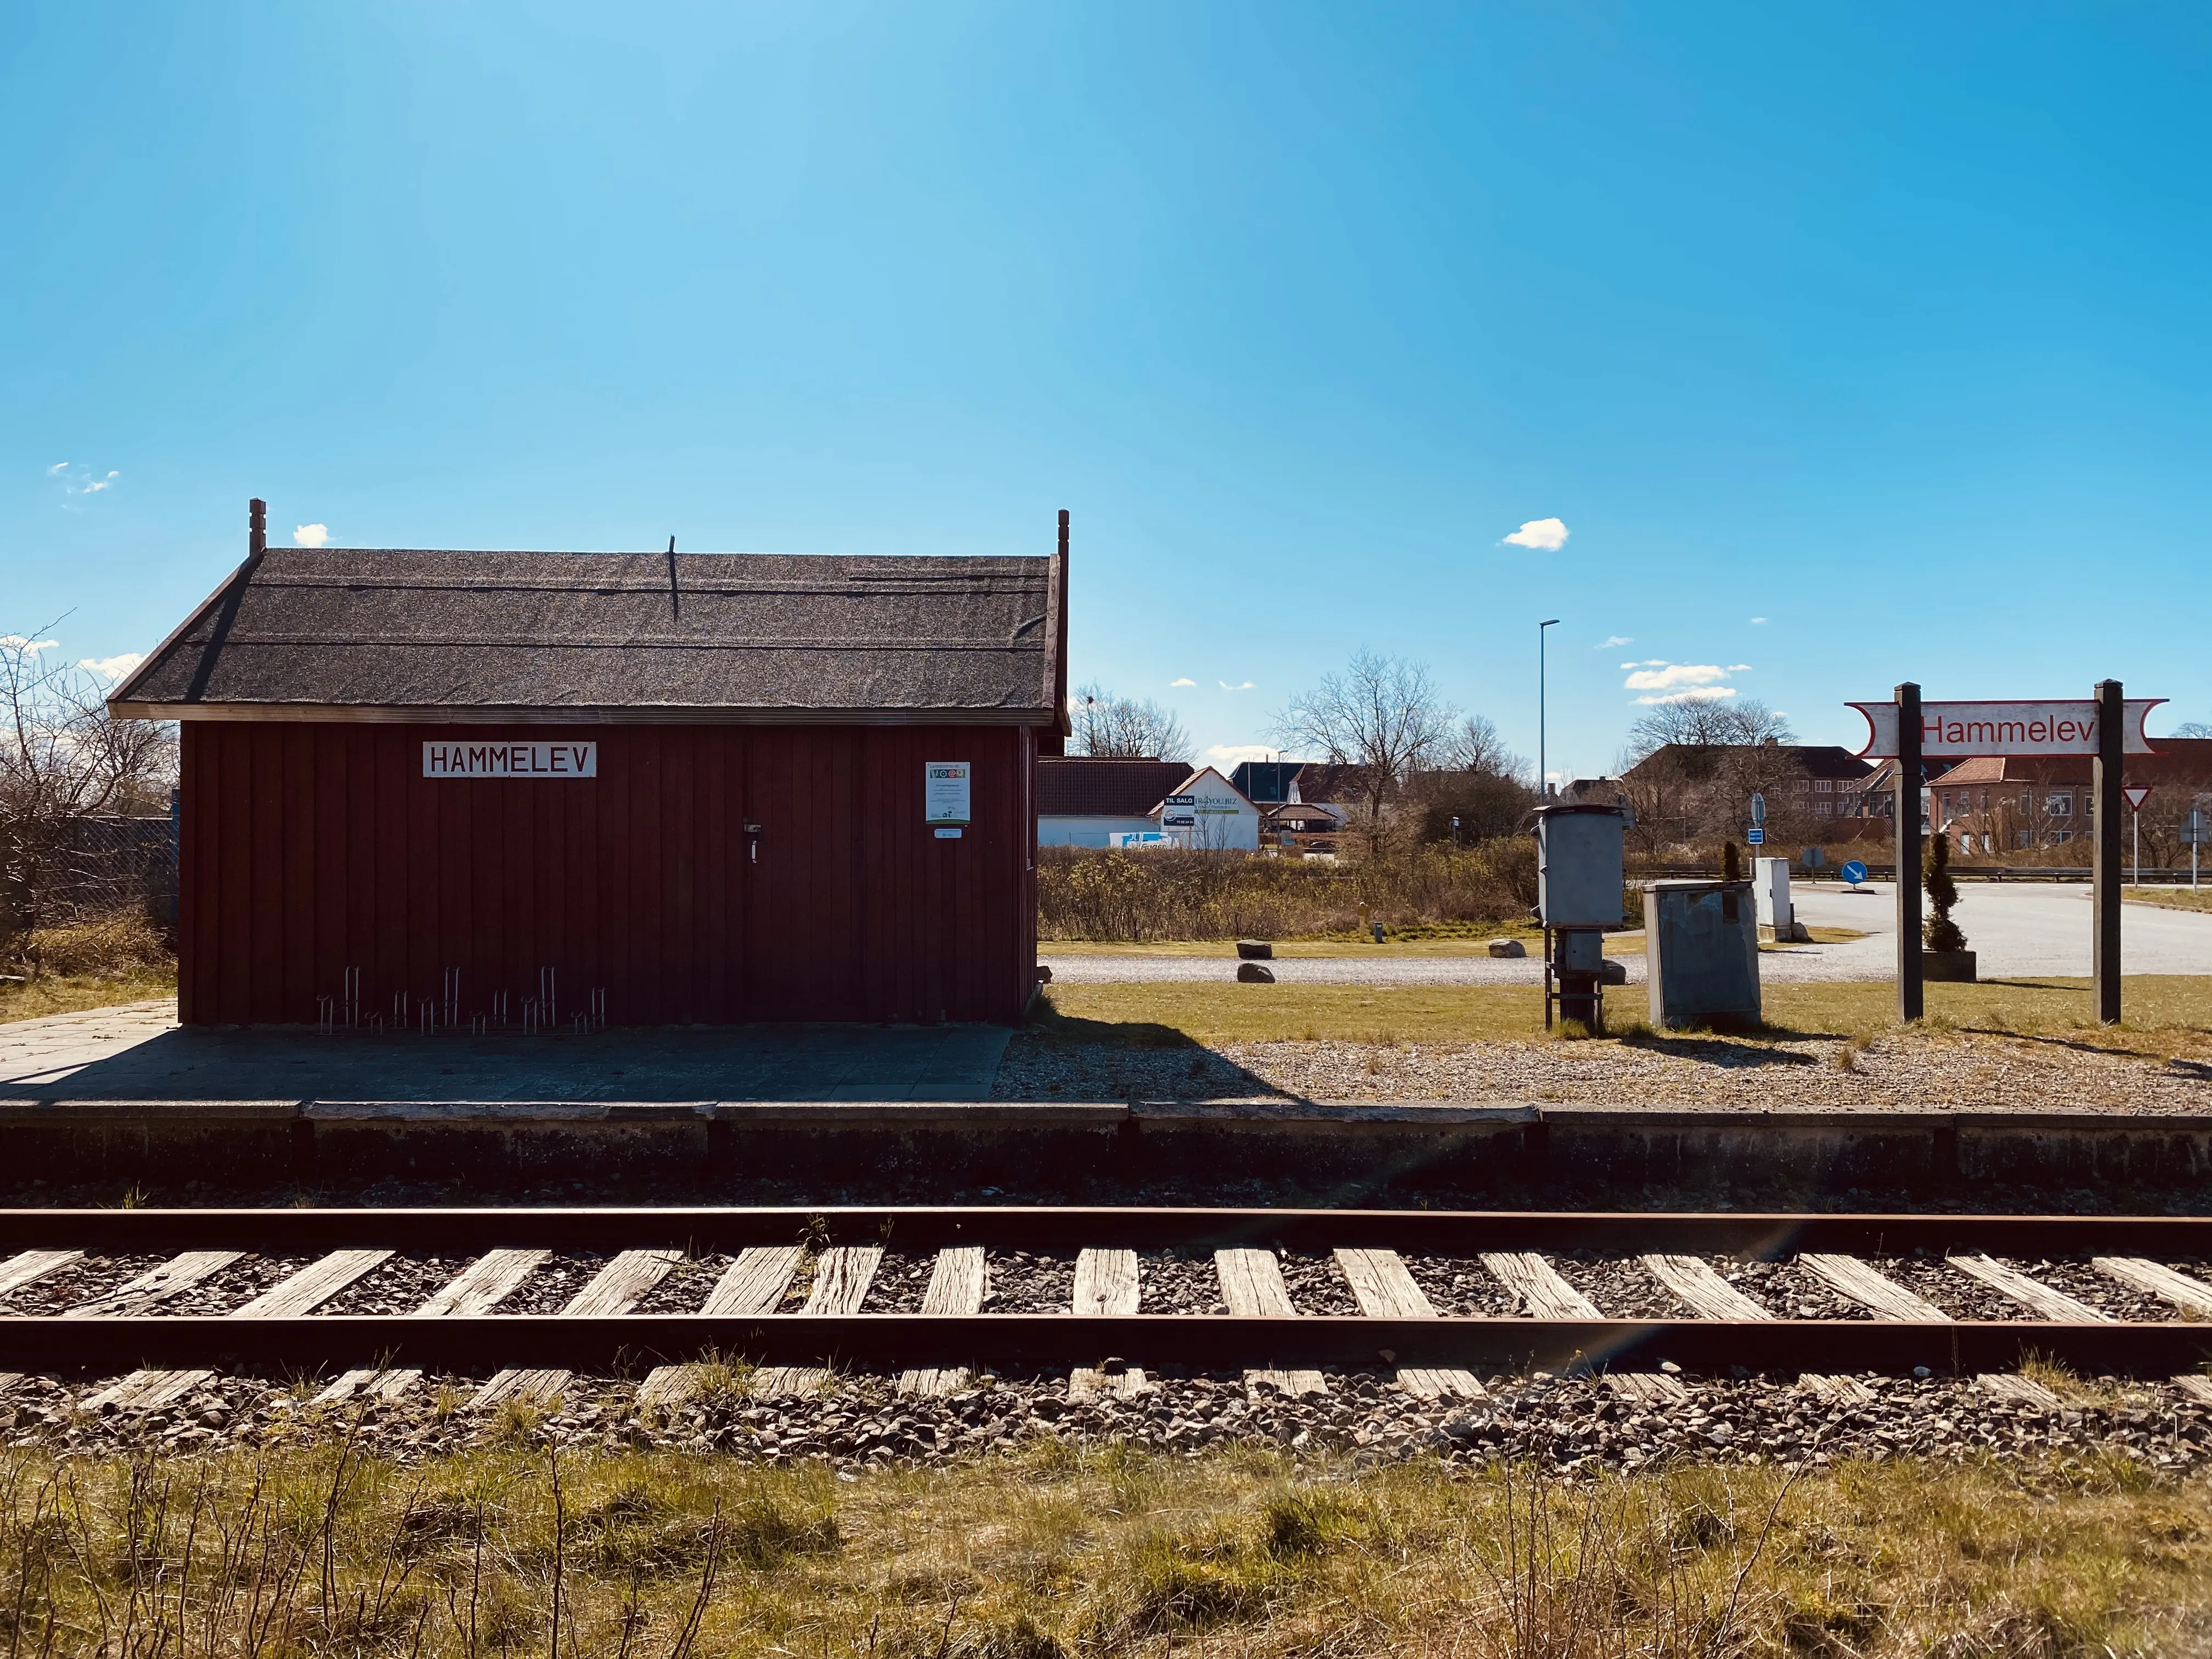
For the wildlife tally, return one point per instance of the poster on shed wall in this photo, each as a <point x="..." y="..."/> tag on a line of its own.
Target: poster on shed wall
<point x="945" y="797"/>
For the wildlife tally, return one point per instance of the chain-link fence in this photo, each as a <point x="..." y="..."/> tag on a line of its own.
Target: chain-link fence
<point x="90" y="867"/>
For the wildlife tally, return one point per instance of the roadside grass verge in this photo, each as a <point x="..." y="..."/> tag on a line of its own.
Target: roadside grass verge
<point x="1473" y="942"/>
<point x="2167" y="1014"/>
<point x="2170" y="898"/>
<point x="1055" y="1552"/>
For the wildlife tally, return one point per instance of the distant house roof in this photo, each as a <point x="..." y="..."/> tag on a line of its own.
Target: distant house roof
<point x="1299" y="816"/>
<point x="1816" y="760"/>
<point x="1080" y="786"/>
<point x="2178" y="760"/>
<point x="339" y="633"/>
<point x="1265" y="781"/>
<point x="1320" y="780"/>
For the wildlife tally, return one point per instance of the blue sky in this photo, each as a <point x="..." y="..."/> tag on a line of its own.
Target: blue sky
<point x="1885" y="324"/>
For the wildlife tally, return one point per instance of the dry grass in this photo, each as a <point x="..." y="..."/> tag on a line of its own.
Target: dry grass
<point x="1165" y="893"/>
<point x="94" y="963"/>
<point x="1469" y="941"/>
<point x="2170" y="898"/>
<point x="1055" y="1552"/>
<point x="2169" y="1013"/>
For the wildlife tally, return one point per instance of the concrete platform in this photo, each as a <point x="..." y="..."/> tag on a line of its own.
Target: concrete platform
<point x="1512" y="1150"/>
<point x="139" y="1052"/>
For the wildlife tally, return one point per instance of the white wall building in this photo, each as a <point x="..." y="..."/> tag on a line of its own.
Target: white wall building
<point x="1220" y="817"/>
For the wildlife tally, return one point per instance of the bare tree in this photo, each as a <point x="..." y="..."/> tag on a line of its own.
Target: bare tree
<point x="1124" y="728"/>
<point x="2193" y="729"/>
<point x="1383" y="716"/>
<point x="62" y="760"/>
<point x="1474" y="745"/>
<point x="1704" y="720"/>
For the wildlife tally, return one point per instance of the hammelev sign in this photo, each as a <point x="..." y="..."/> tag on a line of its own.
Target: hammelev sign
<point x="1959" y="731"/>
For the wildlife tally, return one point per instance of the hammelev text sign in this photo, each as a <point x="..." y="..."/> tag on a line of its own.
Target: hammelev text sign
<point x="1959" y="731"/>
<point x="510" y="759"/>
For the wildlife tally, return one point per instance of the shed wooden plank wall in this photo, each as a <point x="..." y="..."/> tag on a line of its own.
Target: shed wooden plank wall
<point x="311" y="848"/>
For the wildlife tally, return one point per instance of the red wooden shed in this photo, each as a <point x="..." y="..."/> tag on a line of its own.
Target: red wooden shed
<point x="714" y="787"/>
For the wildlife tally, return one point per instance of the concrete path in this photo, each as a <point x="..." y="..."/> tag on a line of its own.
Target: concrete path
<point x="139" y="1051"/>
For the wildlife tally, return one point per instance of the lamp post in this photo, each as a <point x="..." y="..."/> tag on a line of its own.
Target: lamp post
<point x="1543" y="777"/>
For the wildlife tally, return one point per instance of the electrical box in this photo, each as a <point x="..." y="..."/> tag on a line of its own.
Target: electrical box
<point x="1578" y="865"/>
<point x="1770" y="888"/>
<point x="1701" y="952"/>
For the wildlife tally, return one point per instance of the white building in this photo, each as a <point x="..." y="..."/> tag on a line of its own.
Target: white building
<point x="1207" y="812"/>
<point x="1085" y="802"/>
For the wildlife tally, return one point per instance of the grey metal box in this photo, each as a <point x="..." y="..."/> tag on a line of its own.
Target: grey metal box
<point x="1579" y="866"/>
<point x="1700" y="951"/>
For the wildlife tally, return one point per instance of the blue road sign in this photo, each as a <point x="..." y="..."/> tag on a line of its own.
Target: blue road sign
<point x="1853" y="873"/>
<point x="1757" y="837"/>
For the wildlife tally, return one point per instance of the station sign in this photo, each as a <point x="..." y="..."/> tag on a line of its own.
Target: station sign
<point x="510" y="759"/>
<point x="1962" y="731"/>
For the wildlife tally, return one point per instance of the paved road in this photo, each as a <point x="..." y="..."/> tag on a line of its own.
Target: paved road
<point x="2021" y="931"/>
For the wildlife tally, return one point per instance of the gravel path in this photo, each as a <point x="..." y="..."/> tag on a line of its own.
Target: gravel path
<point x="1987" y="1072"/>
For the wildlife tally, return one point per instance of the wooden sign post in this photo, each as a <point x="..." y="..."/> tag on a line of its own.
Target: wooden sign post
<point x="1910" y="996"/>
<point x="2108" y="726"/>
<point x="2105" y="877"/>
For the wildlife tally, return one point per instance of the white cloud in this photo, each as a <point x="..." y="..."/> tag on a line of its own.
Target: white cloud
<point x="81" y="480"/>
<point x="1185" y="681"/>
<point x="1649" y="662"/>
<point x="1225" y="686"/>
<point x="1616" y="641"/>
<point x="114" y="668"/>
<point x="1696" y="693"/>
<point x="24" y="648"/>
<point x="1545" y="534"/>
<point x="1228" y="755"/>
<point x="1761" y="621"/>
<point x="310" y="535"/>
<point x="1739" y="668"/>
<point x="1675" y="674"/>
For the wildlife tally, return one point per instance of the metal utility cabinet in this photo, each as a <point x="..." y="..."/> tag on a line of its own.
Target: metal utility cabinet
<point x="1578" y="891"/>
<point x="1701" y="952"/>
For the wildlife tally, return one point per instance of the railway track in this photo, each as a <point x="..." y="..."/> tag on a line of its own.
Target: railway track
<point x="371" y="1300"/>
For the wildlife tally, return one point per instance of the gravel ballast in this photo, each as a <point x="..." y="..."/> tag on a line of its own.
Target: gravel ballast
<point x="1572" y="1426"/>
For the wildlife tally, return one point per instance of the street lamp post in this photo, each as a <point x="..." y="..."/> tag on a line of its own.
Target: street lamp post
<point x="1543" y="777"/>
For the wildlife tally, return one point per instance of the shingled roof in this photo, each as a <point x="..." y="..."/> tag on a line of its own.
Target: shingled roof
<point x="363" y="634"/>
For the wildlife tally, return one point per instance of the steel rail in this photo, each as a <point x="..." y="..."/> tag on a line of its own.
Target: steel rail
<point x="630" y="1342"/>
<point x="1440" y="1232"/>
<point x="634" y="1342"/>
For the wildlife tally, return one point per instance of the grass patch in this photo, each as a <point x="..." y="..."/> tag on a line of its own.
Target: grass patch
<point x="2170" y="898"/>
<point x="97" y="962"/>
<point x="286" y="1553"/>
<point x="2169" y="1014"/>
<point x="1395" y="943"/>
<point x="69" y="993"/>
